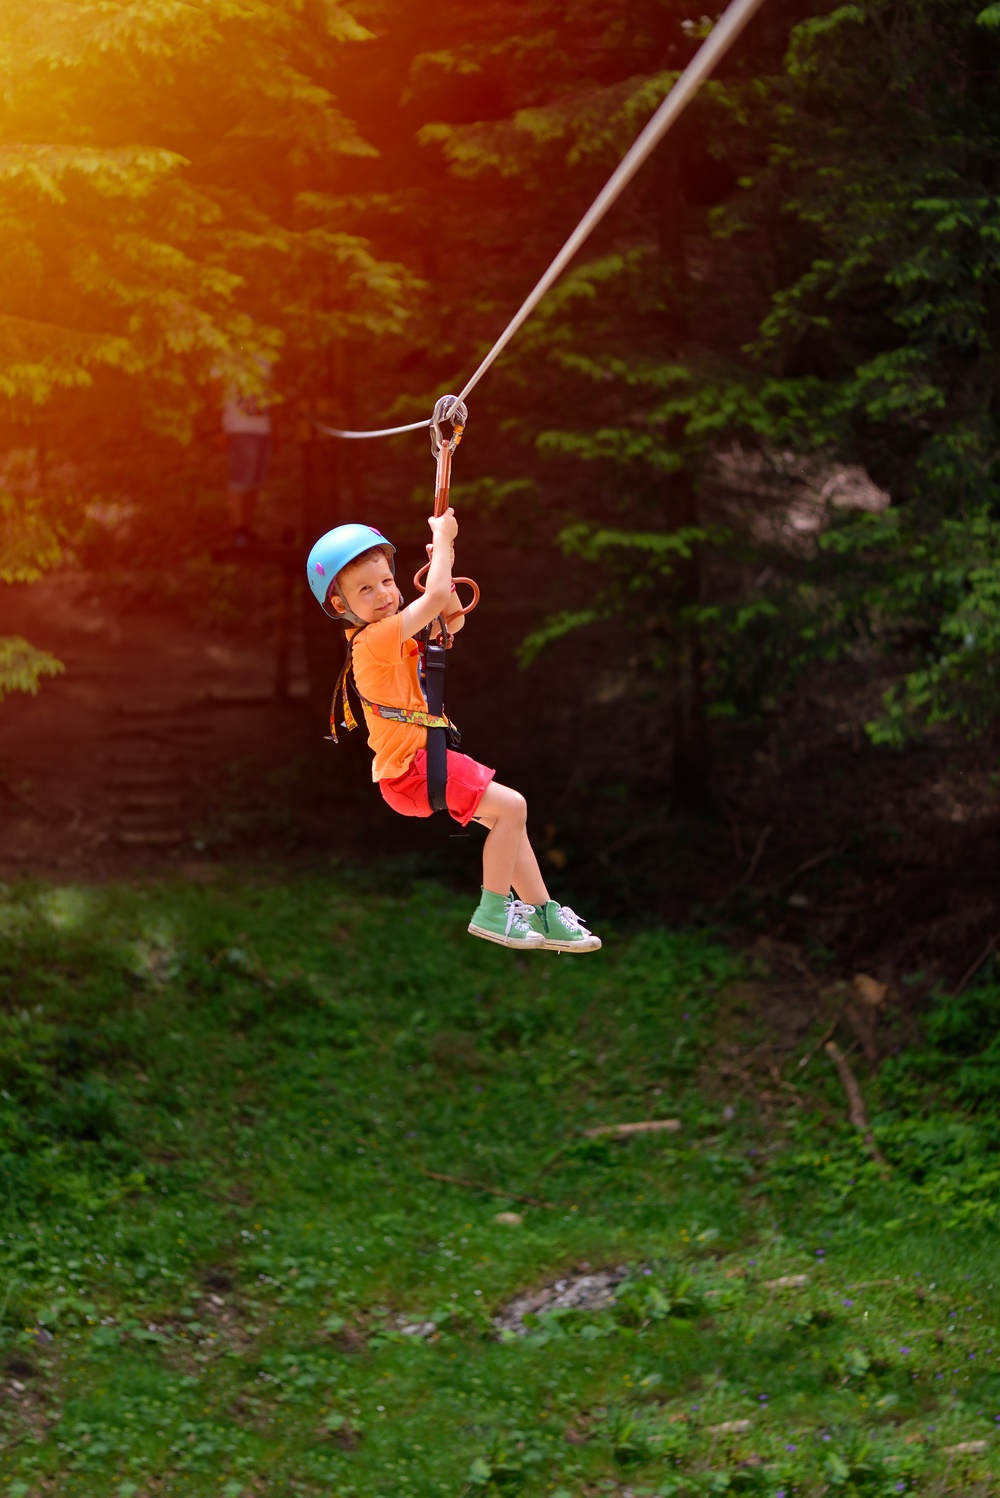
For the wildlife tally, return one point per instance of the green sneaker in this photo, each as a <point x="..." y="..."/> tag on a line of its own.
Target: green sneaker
<point x="561" y="929"/>
<point x="505" y="921"/>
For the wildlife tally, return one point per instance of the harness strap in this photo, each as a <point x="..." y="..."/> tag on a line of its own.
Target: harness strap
<point x="405" y="714"/>
<point x="416" y="716"/>
<point x="435" y="660"/>
<point x="340" y="691"/>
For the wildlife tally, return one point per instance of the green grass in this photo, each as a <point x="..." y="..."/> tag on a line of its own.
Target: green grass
<point x="218" y="1104"/>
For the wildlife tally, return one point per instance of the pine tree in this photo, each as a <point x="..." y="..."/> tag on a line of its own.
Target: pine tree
<point x="808" y="267"/>
<point x="879" y="208"/>
<point x="170" y="197"/>
<point x="177" y="203"/>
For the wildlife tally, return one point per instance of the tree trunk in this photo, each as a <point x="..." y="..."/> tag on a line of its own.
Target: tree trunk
<point x="692" y="747"/>
<point x="322" y="507"/>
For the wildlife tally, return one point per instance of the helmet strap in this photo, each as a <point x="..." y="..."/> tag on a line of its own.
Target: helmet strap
<point x="348" y="616"/>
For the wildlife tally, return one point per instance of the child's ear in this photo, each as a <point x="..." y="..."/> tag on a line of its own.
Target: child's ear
<point x="337" y="603"/>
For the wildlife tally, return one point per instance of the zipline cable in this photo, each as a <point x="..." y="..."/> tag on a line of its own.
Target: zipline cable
<point x="415" y="426"/>
<point x="711" y="51"/>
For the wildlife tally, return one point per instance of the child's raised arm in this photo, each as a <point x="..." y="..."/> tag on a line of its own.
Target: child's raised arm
<point x="437" y="599"/>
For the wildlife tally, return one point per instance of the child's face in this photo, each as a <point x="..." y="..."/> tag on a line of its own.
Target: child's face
<point x="369" y="590"/>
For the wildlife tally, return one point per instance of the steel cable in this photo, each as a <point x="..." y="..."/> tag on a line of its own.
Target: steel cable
<point x="712" y="50"/>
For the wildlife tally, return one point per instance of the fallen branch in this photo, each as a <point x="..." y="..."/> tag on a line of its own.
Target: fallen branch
<point x="531" y="1201"/>
<point x="650" y="1126"/>
<point x="804" y="1060"/>
<point x="810" y="863"/>
<point x="758" y="850"/>
<point x="974" y="969"/>
<point x="856" y="1111"/>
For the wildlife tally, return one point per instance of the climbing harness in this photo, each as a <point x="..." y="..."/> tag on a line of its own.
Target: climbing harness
<point x="429" y="720"/>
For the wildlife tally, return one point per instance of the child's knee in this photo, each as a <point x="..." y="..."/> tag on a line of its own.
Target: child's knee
<point x="501" y="801"/>
<point x="516" y="807"/>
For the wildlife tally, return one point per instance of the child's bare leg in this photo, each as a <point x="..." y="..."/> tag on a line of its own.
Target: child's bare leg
<point x="508" y="859"/>
<point x="527" y="880"/>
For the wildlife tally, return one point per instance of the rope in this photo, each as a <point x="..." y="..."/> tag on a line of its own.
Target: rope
<point x="711" y="51"/>
<point x="415" y="426"/>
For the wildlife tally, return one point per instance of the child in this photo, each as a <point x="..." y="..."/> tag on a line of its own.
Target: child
<point x="351" y="572"/>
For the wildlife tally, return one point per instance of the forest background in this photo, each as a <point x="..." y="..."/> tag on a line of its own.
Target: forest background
<point x="733" y="489"/>
<point x="732" y="498"/>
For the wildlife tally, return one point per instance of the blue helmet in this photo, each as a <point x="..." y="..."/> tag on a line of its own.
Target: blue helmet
<point x="334" y="550"/>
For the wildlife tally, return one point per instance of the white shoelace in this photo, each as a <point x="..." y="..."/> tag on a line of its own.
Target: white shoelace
<point x="517" y="914"/>
<point x="572" y="921"/>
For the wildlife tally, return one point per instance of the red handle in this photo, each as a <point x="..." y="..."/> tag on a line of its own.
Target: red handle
<point x="420" y="587"/>
<point x="442" y="492"/>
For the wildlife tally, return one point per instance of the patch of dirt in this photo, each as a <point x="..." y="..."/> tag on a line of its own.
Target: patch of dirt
<point x="349" y="1339"/>
<point x="32" y="1406"/>
<point x="162" y="746"/>
<point x="587" y="1290"/>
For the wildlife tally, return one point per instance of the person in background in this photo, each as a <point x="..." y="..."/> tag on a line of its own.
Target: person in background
<point x="246" y="422"/>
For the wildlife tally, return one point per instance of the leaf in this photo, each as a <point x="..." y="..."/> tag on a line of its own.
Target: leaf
<point x="22" y="666"/>
<point x="836" y="1468"/>
<point x="554" y="628"/>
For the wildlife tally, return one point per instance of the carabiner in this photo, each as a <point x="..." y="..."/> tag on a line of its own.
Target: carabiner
<point x="453" y="411"/>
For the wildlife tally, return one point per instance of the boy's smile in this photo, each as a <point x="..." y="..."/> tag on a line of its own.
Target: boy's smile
<point x="370" y="590"/>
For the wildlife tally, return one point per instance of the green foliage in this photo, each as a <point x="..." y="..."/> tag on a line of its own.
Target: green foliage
<point x="22" y="666"/>
<point x="929" y="588"/>
<point x="29" y="544"/>
<point x="963" y="1050"/>
<point x="554" y="628"/>
<point x="882" y="342"/>
<point x="173" y="206"/>
<point x="223" y="1260"/>
<point x="860" y="233"/>
<point x="176" y="208"/>
<point x="29" y="541"/>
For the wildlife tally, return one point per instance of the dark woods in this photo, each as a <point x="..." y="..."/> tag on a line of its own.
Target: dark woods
<point x="733" y="492"/>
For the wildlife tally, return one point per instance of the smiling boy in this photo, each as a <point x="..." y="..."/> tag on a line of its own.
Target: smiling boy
<point x="351" y="572"/>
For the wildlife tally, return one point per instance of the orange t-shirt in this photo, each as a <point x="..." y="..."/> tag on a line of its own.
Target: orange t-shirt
<point x="385" y="669"/>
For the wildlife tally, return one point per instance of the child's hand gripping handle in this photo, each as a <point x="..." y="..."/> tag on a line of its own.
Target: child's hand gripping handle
<point x="447" y="410"/>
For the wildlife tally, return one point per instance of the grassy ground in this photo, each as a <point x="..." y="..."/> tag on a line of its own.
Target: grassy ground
<point x="227" y="1272"/>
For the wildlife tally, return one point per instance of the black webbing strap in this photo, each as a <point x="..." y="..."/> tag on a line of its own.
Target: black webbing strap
<point x="435" y="659"/>
<point x="439" y="738"/>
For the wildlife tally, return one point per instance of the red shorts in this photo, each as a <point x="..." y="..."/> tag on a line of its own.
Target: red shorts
<point x="467" y="782"/>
